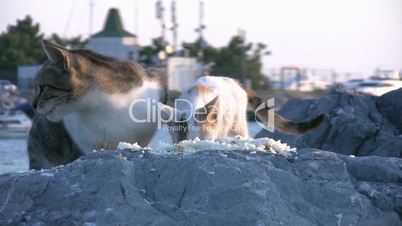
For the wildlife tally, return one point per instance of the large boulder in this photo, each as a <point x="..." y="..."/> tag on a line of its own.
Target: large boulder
<point x="308" y="187"/>
<point x="391" y="105"/>
<point x="355" y="125"/>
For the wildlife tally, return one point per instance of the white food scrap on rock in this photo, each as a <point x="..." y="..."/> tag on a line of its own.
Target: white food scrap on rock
<point x="125" y="145"/>
<point x="184" y="147"/>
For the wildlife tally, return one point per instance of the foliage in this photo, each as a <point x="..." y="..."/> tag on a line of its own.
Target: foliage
<point x="21" y="44"/>
<point x="208" y="53"/>
<point x="149" y="54"/>
<point x="234" y="60"/>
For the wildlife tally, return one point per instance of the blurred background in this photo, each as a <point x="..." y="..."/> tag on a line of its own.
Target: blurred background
<point x="286" y="49"/>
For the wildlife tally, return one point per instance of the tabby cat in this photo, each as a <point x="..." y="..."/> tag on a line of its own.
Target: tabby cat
<point x="82" y="103"/>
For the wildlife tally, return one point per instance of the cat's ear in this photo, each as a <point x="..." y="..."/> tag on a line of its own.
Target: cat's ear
<point x="209" y="112"/>
<point x="57" y="54"/>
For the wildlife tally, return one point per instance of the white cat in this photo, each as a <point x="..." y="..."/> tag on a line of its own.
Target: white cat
<point x="216" y="107"/>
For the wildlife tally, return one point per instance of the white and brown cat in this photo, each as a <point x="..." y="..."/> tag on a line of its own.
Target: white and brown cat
<point x="82" y="103"/>
<point x="215" y="107"/>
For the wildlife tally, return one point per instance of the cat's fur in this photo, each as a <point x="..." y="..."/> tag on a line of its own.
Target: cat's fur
<point x="225" y="103"/>
<point x="82" y="103"/>
<point x="219" y="106"/>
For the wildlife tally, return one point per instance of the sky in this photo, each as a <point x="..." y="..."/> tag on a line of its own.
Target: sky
<point x="345" y="35"/>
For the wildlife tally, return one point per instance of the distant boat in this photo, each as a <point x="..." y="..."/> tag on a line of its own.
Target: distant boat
<point x="378" y="87"/>
<point x="14" y="124"/>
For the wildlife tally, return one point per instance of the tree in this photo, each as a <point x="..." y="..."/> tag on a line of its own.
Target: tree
<point x="149" y="55"/>
<point x="229" y="59"/>
<point x="254" y="65"/>
<point x="232" y="58"/>
<point x="21" y="44"/>
<point x="202" y="50"/>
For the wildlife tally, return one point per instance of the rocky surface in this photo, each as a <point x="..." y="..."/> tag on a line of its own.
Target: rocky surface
<point x="391" y="105"/>
<point x="357" y="124"/>
<point x="308" y="187"/>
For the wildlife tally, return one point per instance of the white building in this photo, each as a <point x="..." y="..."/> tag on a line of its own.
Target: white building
<point x="182" y="72"/>
<point x="113" y="40"/>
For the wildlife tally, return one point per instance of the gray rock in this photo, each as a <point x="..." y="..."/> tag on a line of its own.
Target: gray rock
<point x="310" y="187"/>
<point x="391" y="105"/>
<point x="355" y="126"/>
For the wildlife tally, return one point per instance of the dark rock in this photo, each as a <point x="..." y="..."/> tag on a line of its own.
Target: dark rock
<point x="391" y="105"/>
<point x="355" y="126"/>
<point x="310" y="187"/>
